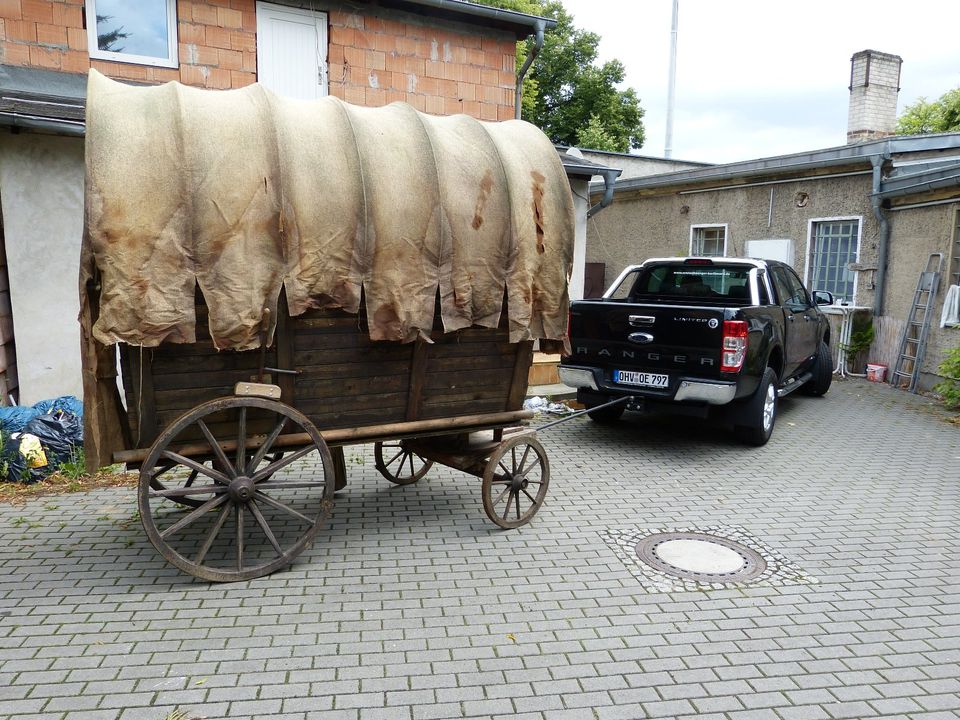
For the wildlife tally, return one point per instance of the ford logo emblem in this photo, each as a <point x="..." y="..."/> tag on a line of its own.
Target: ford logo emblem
<point x="640" y="338"/>
<point x="712" y="323"/>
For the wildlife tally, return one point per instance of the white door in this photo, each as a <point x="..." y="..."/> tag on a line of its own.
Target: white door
<point x="292" y="51"/>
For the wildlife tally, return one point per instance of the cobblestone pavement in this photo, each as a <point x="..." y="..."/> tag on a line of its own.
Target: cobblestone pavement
<point x="415" y="606"/>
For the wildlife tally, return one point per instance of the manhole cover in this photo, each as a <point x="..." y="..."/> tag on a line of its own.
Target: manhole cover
<point x="699" y="556"/>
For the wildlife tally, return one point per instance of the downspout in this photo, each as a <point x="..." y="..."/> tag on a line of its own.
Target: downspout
<point x="609" y="180"/>
<point x="531" y="56"/>
<point x="883" y="247"/>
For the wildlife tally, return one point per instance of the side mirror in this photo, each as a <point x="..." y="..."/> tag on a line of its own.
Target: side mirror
<point x="823" y="297"/>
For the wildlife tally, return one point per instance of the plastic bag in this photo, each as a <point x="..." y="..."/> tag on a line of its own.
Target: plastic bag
<point x="59" y="433"/>
<point x="14" y="419"/>
<point x="65" y="403"/>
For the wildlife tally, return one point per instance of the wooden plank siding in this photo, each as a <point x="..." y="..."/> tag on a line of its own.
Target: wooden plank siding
<point x="343" y="378"/>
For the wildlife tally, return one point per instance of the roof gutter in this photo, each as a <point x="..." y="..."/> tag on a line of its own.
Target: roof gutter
<point x="531" y="56"/>
<point x="609" y="182"/>
<point x="883" y="246"/>
<point x="485" y="11"/>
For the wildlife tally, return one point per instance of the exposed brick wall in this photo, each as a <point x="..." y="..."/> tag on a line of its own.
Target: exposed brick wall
<point x="374" y="58"/>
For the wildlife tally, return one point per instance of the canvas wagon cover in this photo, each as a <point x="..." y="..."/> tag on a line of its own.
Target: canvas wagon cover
<point x="245" y="193"/>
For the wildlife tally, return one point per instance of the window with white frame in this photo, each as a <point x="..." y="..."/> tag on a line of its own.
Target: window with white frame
<point x="834" y="243"/>
<point x="708" y="240"/>
<point x="133" y="31"/>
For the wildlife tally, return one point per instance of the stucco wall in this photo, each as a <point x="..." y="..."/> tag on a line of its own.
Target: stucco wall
<point x="914" y="234"/>
<point x="634" y="228"/>
<point x="41" y="191"/>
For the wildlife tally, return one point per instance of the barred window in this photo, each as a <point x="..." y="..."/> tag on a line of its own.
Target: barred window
<point x="708" y="240"/>
<point x="834" y="244"/>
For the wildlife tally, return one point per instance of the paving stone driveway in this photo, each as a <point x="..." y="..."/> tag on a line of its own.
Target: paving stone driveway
<point x="417" y="607"/>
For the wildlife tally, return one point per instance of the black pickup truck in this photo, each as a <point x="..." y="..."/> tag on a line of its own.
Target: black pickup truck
<point x="711" y="337"/>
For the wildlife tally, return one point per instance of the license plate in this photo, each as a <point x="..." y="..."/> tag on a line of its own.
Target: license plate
<point x="629" y="377"/>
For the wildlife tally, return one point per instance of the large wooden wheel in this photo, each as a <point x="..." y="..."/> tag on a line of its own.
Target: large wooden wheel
<point x="240" y="513"/>
<point x="398" y="463"/>
<point x="515" y="481"/>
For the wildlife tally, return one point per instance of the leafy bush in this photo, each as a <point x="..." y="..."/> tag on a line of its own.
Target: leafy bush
<point x="950" y="387"/>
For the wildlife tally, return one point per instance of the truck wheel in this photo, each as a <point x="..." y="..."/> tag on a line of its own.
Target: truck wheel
<point x="607" y="415"/>
<point x="759" y="413"/>
<point x="822" y="373"/>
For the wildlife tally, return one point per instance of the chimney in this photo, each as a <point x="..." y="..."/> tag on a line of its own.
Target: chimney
<point x="874" y="84"/>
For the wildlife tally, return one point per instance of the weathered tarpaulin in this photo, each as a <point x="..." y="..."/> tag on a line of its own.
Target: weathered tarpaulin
<point x="244" y="193"/>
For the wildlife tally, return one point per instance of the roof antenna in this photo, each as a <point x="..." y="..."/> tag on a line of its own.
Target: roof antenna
<point x="672" y="81"/>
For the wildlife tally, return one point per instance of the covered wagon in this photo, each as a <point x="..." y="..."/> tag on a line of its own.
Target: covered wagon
<point x="284" y="278"/>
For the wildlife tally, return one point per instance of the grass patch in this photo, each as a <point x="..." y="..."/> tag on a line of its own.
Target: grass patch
<point x="60" y="483"/>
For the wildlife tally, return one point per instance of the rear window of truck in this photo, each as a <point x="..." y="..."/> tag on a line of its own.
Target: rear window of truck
<point x="728" y="283"/>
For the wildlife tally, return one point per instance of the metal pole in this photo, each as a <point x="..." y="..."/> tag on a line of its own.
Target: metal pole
<point x="672" y="81"/>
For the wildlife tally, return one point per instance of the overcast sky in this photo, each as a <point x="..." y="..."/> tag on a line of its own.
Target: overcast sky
<point x="757" y="78"/>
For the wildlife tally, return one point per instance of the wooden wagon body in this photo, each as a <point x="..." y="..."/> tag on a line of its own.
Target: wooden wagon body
<point x="239" y="294"/>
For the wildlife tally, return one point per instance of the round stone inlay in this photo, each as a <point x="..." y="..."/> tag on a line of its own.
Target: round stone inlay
<point x="699" y="556"/>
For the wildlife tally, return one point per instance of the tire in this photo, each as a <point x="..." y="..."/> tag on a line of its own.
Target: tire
<point x="822" y="373"/>
<point x="759" y="413"/>
<point x="607" y="415"/>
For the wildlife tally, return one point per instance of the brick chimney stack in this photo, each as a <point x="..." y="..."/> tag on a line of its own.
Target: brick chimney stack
<point x="874" y="85"/>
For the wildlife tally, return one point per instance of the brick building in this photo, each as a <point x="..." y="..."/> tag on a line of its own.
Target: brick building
<point x="440" y="56"/>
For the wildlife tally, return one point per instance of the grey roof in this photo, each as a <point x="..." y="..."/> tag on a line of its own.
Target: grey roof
<point x="42" y="99"/>
<point x="581" y="167"/>
<point x="860" y="154"/>
<point x="635" y="156"/>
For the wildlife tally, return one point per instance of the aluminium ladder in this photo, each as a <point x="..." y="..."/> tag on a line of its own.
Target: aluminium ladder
<point x="913" y="344"/>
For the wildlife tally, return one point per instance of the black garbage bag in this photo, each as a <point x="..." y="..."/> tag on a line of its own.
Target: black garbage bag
<point x="60" y="434"/>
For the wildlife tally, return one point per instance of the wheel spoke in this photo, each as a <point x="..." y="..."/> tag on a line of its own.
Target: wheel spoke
<point x="199" y="467"/>
<point x="501" y="495"/>
<point x="239" y="534"/>
<point x="212" y="535"/>
<point x="262" y="522"/>
<point x="187" y="491"/>
<point x="517" y="496"/>
<point x="217" y="450"/>
<point x="265" y="448"/>
<point x="242" y="441"/>
<point x="158" y="471"/>
<point x="262" y="497"/>
<point x="193" y="476"/>
<point x="189" y="518"/>
<point x="506" y="471"/>
<point x="389" y="462"/>
<point x="532" y="499"/>
<point x="282" y="463"/>
<point x="413" y="470"/>
<point x="523" y="459"/>
<point x="506" y="510"/>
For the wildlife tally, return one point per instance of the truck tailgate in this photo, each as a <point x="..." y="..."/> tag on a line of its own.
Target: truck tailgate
<point x="659" y="339"/>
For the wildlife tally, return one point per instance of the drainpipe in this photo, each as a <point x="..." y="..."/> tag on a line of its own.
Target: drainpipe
<point x="531" y="56"/>
<point x="609" y="180"/>
<point x="883" y="249"/>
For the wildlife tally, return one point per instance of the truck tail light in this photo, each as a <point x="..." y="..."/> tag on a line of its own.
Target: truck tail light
<point x="734" y="345"/>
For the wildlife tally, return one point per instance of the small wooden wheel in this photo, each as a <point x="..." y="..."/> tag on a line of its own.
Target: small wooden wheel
<point x="248" y="511"/>
<point x="402" y="465"/>
<point x="515" y="481"/>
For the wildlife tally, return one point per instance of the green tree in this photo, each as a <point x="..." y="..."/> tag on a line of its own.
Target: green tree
<point x="566" y="93"/>
<point x="941" y="115"/>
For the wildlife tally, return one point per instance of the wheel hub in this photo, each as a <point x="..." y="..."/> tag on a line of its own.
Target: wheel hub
<point x="518" y="482"/>
<point x="241" y="490"/>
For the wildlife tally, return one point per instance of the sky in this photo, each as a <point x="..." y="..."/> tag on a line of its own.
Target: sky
<point x="762" y="78"/>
